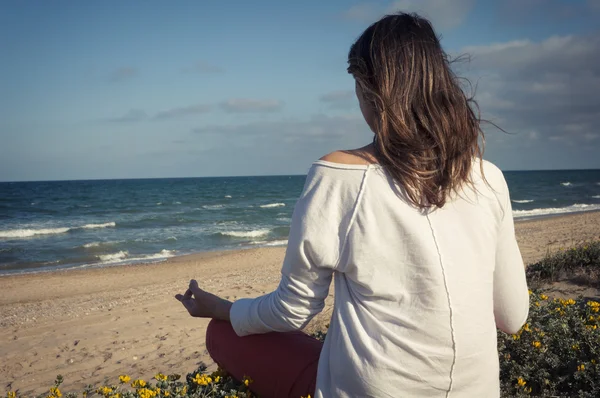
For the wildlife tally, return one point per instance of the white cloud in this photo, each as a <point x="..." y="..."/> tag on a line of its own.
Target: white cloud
<point x="342" y="99"/>
<point x="183" y="111"/>
<point x="550" y="86"/>
<point x="247" y="105"/>
<point x="319" y="127"/>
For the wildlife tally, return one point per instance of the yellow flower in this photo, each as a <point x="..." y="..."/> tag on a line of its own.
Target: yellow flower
<point x="146" y="393"/>
<point x="231" y="396"/>
<point x="117" y="395"/>
<point x="528" y="390"/>
<point x="55" y="392"/>
<point x="217" y="379"/>
<point x="160" y="377"/>
<point x="575" y="347"/>
<point x="537" y="303"/>
<point x="570" y="302"/>
<point x="124" y="379"/>
<point x="11" y="394"/>
<point x="593" y="361"/>
<point x="537" y="344"/>
<point x="521" y="382"/>
<point x="516" y="337"/>
<point x="530" y="292"/>
<point x="526" y="328"/>
<point x="184" y="390"/>
<point x="139" y="383"/>
<point x="543" y="297"/>
<point x="581" y="368"/>
<point x="542" y="334"/>
<point x="246" y="380"/>
<point x="202" y="380"/>
<point x="166" y="393"/>
<point x="106" y="391"/>
<point x="306" y="396"/>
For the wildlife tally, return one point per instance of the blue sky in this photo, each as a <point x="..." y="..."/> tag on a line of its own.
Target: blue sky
<point x="132" y="89"/>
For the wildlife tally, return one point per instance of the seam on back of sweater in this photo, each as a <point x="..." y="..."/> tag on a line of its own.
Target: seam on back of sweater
<point x="452" y="332"/>
<point x="361" y="190"/>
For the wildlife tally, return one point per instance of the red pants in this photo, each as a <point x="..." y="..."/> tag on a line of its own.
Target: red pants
<point x="280" y="364"/>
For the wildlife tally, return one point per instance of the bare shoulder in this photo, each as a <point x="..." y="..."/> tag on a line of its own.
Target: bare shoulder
<point x="362" y="156"/>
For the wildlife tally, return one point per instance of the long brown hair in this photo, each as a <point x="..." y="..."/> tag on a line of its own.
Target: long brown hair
<point x="426" y="132"/>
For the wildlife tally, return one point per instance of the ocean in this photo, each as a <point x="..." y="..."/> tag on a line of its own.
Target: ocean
<point x="72" y="224"/>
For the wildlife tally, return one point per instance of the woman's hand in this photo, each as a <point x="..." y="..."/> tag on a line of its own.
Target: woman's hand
<point x="202" y="304"/>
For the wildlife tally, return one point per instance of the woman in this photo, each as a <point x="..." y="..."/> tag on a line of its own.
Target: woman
<point x="415" y="229"/>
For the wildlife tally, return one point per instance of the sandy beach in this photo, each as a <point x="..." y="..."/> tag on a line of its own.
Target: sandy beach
<point x="91" y="325"/>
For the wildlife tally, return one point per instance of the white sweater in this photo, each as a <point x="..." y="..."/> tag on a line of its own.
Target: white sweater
<point x="418" y="296"/>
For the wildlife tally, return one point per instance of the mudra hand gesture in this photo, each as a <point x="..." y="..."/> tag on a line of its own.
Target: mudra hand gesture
<point x="199" y="303"/>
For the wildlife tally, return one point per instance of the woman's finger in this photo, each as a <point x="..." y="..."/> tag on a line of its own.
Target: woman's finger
<point x="179" y="297"/>
<point x="194" y="287"/>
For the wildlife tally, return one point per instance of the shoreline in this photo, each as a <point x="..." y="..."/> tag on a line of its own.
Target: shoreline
<point x="209" y="253"/>
<point x="93" y="324"/>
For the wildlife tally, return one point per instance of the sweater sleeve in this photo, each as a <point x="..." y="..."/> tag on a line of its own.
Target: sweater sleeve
<point x="319" y="226"/>
<point x="511" y="297"/>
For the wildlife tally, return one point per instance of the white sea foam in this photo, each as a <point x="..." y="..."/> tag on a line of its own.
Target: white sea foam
<point x="271" y="205"/>
<point x="284" y="219"/>
<point x="156" y="256"/>
<point x="523" y="201"/>
<point x="596" y="196"/>
<point x="98" y="244"/>
<point x="158" y="203"/>
<point x="212" y="207"/>
<point x="554" y="210"/>
<point x="94" y="226"/>
<point x="113" y="257"/>
<point x="566" y="184"/>
<point x="228" y="196"/>
<point x="172" y="238"/>
<point x="282" y="242"/>
<point x="27" y="233"/>
<point x="247" y="234"/>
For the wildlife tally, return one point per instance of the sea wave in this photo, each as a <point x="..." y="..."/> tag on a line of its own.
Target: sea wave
<point x="271" y="205"/>
<point x="284" y="219"/>
<point x="246" y="234"/>
<point x="566" y="184"/>
<point x="156" y="256"/>
<point x="213" y="207"/>
<point x="523" y="201"/>
<point x="555" y="210"/>
<point x="30" y="232"/>
<point x="281" y="242"/>
<point x="228" y="196"/>
<point x="123" y="257"/>
<point x="113" y="257"/>
<point x="98" y="244"/>
<point x="27" y="233"/>
<point x="94" y="226"/>
<point x="596" y="196"/>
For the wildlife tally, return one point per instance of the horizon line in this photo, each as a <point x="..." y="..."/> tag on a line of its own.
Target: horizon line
<point x="233" y="176"/>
